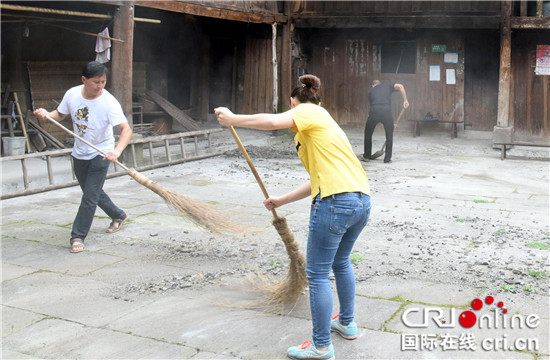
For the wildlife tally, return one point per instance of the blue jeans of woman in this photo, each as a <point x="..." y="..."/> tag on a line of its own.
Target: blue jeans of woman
<point x="91" y="176"/>
<point x="335" y="223"/>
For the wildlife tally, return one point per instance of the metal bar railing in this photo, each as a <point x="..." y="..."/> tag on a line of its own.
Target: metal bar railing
<point x="178" y="138"/>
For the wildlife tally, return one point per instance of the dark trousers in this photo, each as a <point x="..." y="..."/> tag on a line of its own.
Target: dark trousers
<point x="375" y="117"/>
<point x="91" y="176"/>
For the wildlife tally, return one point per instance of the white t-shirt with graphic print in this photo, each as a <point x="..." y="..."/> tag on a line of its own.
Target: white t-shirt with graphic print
<point x="93" y="120"/>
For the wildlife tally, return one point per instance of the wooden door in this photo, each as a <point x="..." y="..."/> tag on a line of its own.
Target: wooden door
<point x="441" y="96"/>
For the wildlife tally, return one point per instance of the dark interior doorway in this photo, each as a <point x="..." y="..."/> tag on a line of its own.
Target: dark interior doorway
<point x="221" y="73"/>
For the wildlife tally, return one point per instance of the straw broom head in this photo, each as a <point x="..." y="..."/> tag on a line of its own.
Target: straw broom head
<point x="198" y="212"/>
<point x="288" y="291"/>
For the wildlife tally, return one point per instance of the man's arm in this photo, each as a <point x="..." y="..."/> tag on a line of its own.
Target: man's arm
<point x="124" y="139"/>
<point x="56" y="115"/>
<point x="401" y="89"/>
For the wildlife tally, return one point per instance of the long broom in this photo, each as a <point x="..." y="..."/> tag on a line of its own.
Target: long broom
<point x="289" y="290"/>
<point x="197" y="212"/>
<point x="383" y="148"/>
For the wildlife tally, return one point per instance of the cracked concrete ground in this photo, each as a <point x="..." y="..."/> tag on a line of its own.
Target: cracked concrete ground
<point x="450" y="223"/>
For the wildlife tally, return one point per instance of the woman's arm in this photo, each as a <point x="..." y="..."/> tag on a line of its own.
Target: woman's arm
<point x="255" y="121"/>
<point x="299" y="193"/>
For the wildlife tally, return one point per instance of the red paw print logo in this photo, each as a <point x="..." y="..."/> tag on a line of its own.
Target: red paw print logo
<point x="468" y="318"/>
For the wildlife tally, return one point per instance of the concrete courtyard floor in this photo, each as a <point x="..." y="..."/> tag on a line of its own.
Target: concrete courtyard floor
<point x="163" y="288"/>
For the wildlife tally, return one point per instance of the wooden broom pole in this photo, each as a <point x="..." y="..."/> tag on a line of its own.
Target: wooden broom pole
<point x="22" y="121"/>
<point x="290" y="289"/>
<point x="84" y="141"/>
<point x="252" y="167"/>
<point x="383" y="148"/>
<point x="196" y="211"/>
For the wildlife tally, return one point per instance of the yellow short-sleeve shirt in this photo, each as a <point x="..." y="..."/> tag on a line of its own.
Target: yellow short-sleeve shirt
<point x="326" y="153"/>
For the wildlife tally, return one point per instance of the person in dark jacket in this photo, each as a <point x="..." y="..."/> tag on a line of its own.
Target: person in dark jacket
<point x="380" y="112"/>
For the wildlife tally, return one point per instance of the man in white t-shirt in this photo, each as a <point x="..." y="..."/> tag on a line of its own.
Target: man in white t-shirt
<point x="94" y="113"/>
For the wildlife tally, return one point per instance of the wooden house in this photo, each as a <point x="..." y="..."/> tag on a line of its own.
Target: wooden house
<point x="471" y="64"/>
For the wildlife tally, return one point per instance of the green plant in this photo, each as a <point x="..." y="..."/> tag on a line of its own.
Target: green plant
<point x="356" y="258"/>
<point x="538" y="245"/>
<point x="480" y="201"/>
<point x="275" y="262"/>
<point x="527" y="288"/>
<point x="537" y="274"/>
<point x="509" y="288"/>
<point x="460" y="220"/>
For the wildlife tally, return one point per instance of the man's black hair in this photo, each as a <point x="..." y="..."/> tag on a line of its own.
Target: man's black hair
<point x="93" y="69"/>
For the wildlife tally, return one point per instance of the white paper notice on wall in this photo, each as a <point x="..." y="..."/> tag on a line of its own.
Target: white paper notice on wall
<point x="450" y="58"/>
<point x="451" y="78"/>
<point x="435" y="73"/>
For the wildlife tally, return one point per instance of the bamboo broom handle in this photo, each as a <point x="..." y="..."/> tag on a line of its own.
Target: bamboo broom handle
<point x="258" y="179"/>
<point x="22" y="121"/>
<point x="84" y="141"/>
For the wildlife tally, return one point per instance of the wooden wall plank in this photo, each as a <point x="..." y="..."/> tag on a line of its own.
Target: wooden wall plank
<point x="258" y="76"/>
<point x="530" y="91"/>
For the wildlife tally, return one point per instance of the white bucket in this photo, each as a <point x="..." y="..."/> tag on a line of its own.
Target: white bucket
<point x="13" y="145"/>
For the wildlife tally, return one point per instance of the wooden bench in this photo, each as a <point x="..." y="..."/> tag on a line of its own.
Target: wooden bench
<point x="517" y="143"/>
<point x="416" y="126"/>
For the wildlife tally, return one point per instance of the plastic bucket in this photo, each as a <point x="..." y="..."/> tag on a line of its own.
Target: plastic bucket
<point x="13" y="145"/>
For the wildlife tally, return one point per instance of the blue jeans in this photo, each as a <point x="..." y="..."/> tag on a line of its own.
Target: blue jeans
<point x="335" y="223"/>
<point x="91" y="176"/>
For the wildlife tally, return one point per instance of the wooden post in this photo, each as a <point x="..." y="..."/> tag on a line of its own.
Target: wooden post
<point x="523" y="8"/>
<point x="540" y="8"/>
<point x="545" y="104"/>
<point x="121" y="76"/>
<point x="286" y="58"/>
<point x="274" y="63"/>
<point x="505" y="67"/>
<point x="529" y="100"/>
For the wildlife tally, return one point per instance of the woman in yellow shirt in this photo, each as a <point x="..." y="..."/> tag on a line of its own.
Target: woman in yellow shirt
<point x="340" y="209"/>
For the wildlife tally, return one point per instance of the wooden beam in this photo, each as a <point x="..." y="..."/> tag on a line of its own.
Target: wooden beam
<point x="430" y="21"/>
<point x="274" y="64"/>
<point x="56" y="143"/>
<point x="122" y="62"/>
<point x="286" y="65"/>
<point x="213" y="12"/>
<point x="545" y="105"/>
<point x="529" y="100"/>
<point x="177" y="114"/>
<point x="523" y="8"/>
<point x="503" y="109"/>
<point x="67" y="12"/>
<point x="542" y="23"/>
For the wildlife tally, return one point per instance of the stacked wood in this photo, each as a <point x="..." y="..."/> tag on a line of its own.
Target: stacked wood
<point x="177" y="114"/>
